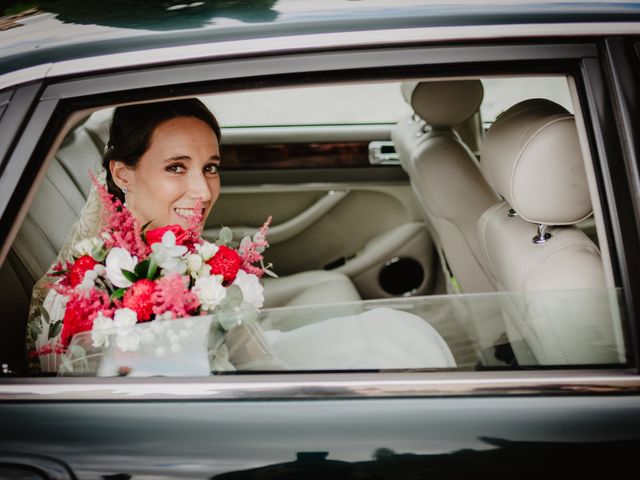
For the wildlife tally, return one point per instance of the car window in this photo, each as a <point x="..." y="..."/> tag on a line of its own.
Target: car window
<point x="364" y="282"/>
<point x="314" y="105"/>
<point x="501" y="93"/>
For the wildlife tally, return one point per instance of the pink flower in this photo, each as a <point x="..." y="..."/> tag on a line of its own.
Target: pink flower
<point x="120" y="228"/>
<point x="172" y="295"/>
<point x="250" y="250"/>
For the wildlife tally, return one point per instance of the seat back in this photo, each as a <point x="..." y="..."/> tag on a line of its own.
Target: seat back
<point x="531" y="157"/>
<point x="59" y="199"/>
<point x="445" y="176"/>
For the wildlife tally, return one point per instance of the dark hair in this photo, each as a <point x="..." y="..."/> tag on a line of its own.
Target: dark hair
<point x="133" y="125"/>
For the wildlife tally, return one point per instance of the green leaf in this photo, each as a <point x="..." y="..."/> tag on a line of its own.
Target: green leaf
<point x="67" y="366"/>
<point x="36" y="329"/>
<point x="55" y="329"/>
<point x="118" y="293"/>
<point x="144" y="227"/>
<point x="77" y="351"/>
<point x="270" y="273"/>
<point x="226" y="235"/>
<point x="129" y="275"/>
<point x="153" y="267"/>
<point x="99" y="254"/>
<point x="142" y="269"/>
<point x="45" y="314"/>
<point x="234" y="296"/>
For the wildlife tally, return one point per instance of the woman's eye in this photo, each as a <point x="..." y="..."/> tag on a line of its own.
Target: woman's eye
<point x="212" y="168"/>
<point x="175" y="168"/>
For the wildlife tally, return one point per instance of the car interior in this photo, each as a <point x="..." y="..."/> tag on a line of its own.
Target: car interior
<point x="465" y="200"/>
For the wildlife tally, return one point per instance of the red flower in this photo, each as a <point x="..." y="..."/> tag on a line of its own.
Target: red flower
<point x="225" y="262"/>
<point x="79" y="268"/>
<point x="138" y="298"/>
<point x="155" y="235"/>
<point x="82" y="308"/>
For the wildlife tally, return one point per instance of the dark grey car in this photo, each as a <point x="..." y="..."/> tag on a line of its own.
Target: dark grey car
<point x="316" y="132"/>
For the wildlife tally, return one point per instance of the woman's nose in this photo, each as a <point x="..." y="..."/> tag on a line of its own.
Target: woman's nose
<point x="199" y="187"/>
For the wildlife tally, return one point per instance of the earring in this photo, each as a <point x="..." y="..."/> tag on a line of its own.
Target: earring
<point x="124" y="190"/>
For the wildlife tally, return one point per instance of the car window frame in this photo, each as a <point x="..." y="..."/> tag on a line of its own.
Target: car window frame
<point x="580" y="58"/>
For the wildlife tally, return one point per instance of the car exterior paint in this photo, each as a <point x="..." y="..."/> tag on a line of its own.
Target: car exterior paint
<point x="342" y="425"/>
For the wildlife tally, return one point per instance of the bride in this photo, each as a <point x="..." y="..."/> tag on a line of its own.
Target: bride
<point x="162" y="161"/>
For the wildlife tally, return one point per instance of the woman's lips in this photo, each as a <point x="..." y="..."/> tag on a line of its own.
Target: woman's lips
<point x="189" y="213"/>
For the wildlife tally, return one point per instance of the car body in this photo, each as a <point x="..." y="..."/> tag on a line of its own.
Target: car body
<point x="65" y="62"/>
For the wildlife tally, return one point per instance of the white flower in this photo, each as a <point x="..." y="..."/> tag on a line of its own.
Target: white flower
<point x="100" y="270"/>
<point x="103" y="328"/>
<point x="128" y="338"/>
<point x="210" y="291"/>
<point x="168" y="256"/>
<point x="196" y="266"/>
<point x="252" y="291"/>
<point x="124" y="317"/>
<point x="163" y="316"/>
<point x="88" y="281"/>
<point x="207" y="250"/>
<point x="194" y="262"/>
<point x="117" y="260"/>
<point x="87" y="246"/>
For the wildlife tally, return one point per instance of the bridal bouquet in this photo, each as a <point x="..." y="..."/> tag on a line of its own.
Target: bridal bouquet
<point x="129" y="274"/>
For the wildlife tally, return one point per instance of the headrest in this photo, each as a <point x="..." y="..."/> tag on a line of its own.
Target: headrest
<point x="531" y="157"/>
<point x="443" y="103"/>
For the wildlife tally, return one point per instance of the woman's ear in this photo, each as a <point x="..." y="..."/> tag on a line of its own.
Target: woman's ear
<point x="122" y="175"/>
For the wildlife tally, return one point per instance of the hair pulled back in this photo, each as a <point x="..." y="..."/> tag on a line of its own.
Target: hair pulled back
<point x="132" y="127"/>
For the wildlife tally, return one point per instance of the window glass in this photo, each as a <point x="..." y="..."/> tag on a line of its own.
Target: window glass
<point x="462" y="332"/>
<point x="368" y="103"/>
<point x="501" y="93"/>
<point x="364" y="280"/>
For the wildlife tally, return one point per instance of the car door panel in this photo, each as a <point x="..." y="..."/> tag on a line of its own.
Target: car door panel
<point x="353" y="228"/>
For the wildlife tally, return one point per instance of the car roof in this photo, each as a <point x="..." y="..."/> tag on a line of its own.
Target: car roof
<point x="67" y="30"/>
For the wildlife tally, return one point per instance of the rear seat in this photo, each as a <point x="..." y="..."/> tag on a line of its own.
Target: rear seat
<point x="56" y="206"/>
<point x="61" y="196"/>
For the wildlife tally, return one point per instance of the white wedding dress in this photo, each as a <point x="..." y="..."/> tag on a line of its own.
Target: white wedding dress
<point x="379" y="338"/>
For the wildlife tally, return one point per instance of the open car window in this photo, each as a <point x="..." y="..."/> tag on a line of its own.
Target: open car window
<point x="366" y="282"/>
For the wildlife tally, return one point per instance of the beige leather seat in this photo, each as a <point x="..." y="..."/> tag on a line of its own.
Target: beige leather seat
<point x="531" y="157"/>
<point x="445" y="176"/>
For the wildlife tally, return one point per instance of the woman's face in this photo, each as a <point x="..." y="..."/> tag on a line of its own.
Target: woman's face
<point x="178" y="172"/>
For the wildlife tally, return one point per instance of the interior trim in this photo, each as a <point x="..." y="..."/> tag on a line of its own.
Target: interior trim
<point x="304" y="133"/>
<point x="323" y="385"/>
<point x="292" y="227"/>
<point x="380" y="174"/>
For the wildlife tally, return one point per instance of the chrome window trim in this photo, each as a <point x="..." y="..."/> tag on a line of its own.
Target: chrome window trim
<point x="186" y="53"/>
<point x="323" y="385"/>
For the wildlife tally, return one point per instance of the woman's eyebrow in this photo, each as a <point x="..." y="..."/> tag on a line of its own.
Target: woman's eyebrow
<point x="177" y="157"/>
<point x="187" y="157"/>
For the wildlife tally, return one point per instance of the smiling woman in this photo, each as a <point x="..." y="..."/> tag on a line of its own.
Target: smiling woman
<point x="162" y="160"/>
<point x="161" y="167"/>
